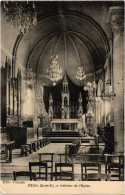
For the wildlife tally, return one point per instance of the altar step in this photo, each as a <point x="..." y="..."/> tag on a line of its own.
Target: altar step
<point x="66" y="140"/>
<point x="63" y="134"/>
<point x="70" y="139"/>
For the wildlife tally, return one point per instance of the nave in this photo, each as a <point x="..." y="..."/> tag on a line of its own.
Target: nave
<point x="62" y="90"/>
<point x="21" y="163"/>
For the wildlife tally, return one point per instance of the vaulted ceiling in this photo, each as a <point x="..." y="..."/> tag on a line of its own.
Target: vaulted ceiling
<point x="76" y="39"/>
<point x="75" y="31"/>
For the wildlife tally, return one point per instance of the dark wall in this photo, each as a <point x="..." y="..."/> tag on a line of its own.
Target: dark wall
<point x="109" y="139"/>
<point x="21" y="135"/>
<point x="17" y="134"/>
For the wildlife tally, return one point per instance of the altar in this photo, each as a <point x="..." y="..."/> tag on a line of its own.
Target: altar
<point x="67" y="116"/>
<point x="64" y="124"/>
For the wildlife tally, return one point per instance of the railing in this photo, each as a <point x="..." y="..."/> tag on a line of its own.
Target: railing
<point x="75" y="152"/>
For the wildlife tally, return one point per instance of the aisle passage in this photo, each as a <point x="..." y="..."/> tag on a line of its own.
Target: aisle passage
<point x="20" y="163"/>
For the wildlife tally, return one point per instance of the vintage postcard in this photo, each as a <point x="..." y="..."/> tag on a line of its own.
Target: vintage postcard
<point x="62" y="97"/>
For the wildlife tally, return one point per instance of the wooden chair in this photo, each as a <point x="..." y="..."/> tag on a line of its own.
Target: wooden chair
<point x="31" y="176"/>
<point x="114" y="165"/>
<point x="42" y="175"/>
<point x="64" y="171"/>
<point x="90" y="167"/>
<point x="61" y="157"/>
<point x="47" y="158"/>
<point x="97" y="177"/>
<point x="117" y="171"/>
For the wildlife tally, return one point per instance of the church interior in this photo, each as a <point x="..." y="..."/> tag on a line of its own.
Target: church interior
<point x="62" y="90"/>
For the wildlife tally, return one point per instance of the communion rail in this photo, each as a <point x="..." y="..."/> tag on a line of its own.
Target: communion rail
<point x="82" y="152"/>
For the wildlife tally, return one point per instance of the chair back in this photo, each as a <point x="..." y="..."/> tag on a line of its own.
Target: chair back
<point x="114" y="165"/>
<point x="117" y="171"/>
<point x="32" y="176"/>
<point x="39" y="167"/>
<point x="47" y="158"/>
<point x="93" y="167"/>
<point x="64" y="171"/>
<point x="97" y="177"/>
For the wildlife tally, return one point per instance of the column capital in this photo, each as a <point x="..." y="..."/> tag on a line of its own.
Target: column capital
<point x="116" y="18"/>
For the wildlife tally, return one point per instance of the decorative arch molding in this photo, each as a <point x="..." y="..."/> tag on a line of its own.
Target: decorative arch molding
<point x="14" y="52"/>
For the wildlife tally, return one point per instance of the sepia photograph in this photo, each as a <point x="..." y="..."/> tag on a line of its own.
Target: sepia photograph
<point x="62" y="94"/>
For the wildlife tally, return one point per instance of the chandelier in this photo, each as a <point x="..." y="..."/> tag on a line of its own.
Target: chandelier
<point x="80" y="75"/>
<point x="54" y="73"/>
<point x="20" y="14"/>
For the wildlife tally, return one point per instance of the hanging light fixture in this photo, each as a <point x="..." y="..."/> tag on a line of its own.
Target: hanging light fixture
<point x="20" y="14"/>
<point x="54" y="73"/>
<point x="80" y="74"/>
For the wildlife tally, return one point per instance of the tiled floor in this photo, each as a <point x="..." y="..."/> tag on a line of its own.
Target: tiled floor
<point x="22" y="163"/>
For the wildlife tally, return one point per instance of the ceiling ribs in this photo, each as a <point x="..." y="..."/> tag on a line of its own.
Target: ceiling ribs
<point x="56" y="43"/>
<point x="76" y="49"/>
<point x="65" y="49"/>
<point x="79" y="34"/>
<point x="76" y="14"/>
<point x="42" y="52"/>
<point x="46" y="36"/>
<point x="85" y="17"/>
<point x="88" y="51"/>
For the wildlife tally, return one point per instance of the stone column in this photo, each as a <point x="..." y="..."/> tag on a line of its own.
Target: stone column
<point x="112" y="111"/>
<point x="97" y="111"/>
<point x="117" y="24"/>
<point x="101" y="110"/>
<point x="15" y="105"/>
